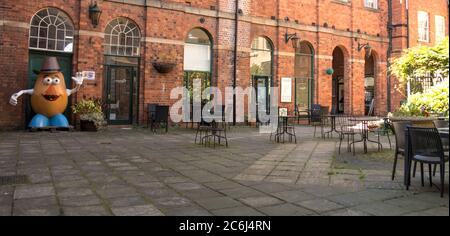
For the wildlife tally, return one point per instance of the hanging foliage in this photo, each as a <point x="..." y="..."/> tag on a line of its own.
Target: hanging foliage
<point x="422" y="61"/>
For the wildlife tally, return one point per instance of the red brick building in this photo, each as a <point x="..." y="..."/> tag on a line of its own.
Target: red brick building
<point x="350" y="36"/>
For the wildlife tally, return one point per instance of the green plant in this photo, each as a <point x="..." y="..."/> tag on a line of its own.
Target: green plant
<point x="421" y="61"/>
<point x="433" y="101"/>
<point x="90" y="110"/>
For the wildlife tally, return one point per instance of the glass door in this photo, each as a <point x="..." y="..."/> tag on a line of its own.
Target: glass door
<point x="119" y="92"/>
<point x="262" y="86"/>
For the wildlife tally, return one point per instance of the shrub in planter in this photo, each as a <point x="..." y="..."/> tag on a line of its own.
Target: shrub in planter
<point x="91" y="114"/>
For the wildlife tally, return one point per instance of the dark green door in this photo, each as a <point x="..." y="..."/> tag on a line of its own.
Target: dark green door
<point x="34" y="65"/>
<point x="120" y="93"/>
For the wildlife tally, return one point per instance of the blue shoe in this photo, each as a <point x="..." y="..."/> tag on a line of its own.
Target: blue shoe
<point x="39" y="121"/>
<point x="59" y="121"/>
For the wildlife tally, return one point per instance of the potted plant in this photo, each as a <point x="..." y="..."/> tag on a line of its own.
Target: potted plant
<point x="91" y="114"/>
<point x="165" y="62"/>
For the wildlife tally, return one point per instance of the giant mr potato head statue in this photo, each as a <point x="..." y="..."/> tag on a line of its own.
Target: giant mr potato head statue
<point x="49" y="97"/>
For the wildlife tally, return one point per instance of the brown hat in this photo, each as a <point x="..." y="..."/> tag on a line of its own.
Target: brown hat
<point x="50" y="64"/>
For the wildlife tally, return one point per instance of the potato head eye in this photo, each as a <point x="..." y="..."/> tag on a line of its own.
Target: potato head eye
<point x="48" y="80"/>
<point x="56" y="81"/>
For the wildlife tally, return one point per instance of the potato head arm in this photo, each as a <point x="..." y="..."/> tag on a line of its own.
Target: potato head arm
<point x="78" y="82"/>
<point x="14" y="97"/>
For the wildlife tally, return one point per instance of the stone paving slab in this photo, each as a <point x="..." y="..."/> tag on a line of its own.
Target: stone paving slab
<point x="134" y="172"/>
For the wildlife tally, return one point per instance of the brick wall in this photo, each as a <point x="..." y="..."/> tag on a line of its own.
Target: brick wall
<point x="164" y="26"/>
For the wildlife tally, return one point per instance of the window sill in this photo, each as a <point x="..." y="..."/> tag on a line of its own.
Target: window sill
<point x="377" y="10"/>
<point x="349" y="3"/>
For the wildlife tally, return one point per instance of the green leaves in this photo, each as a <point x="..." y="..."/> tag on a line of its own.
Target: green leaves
<point x="421" y="61"/>
<point x="433" y="101"/>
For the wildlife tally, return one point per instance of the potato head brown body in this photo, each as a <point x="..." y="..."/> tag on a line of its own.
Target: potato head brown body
<point x="50" y="97"/>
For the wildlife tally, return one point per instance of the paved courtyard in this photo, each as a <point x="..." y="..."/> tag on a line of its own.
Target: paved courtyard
<point x="134" y="172"/>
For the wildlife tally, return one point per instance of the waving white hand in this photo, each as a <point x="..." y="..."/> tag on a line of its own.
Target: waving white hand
<point x="14" y="97"/>
<point x="78" y="80"/>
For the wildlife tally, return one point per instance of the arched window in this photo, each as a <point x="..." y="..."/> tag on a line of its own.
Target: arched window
<point x="197" y="60"/>
<point x="197" y="51"/>
<point x="261" y="72"/>
<point x="122" y="38"/>
<point x="51" y="30"/>
<point x="304" y="75"/>
<point x="261" y="57"/>
<point x="369" y="83"/>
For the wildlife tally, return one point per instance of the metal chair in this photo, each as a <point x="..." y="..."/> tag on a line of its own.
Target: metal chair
<point x="400" y="145"/>
<point x="345" y="127"/>
<point x="316" y="119"/>
<point x="441" y="124"/>
<point x="161" y="118"/>
<point x="426" y="148"/>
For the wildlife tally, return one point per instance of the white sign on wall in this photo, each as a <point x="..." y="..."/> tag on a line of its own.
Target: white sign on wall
<point x="89" y="75"/>
<point x="286" y="89"/>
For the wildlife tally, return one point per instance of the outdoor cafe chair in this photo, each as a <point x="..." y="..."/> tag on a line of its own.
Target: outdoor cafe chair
<point x="426" y="148"/>
<point x="316" y="119"/>
<point x="346" y="127"/>
<point x="399" y="129"/>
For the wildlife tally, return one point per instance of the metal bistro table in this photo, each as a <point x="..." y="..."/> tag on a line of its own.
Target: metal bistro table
<point x="283" y="129"/>
<point x="443" y="132"/>
<point x="217" y="130"/>
<point x="333" y="124"/>
<point x="365" y="130"/>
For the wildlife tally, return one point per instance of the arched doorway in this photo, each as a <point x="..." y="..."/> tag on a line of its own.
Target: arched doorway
<point x="197" y="61"/>
<point x="304" y="76"/>
<point x="369" y="83"/>
<point x="338" y="103"/>
<point x="51" y="34"/>
<point x="122" y="52"/>
<point x="261" y="69"/>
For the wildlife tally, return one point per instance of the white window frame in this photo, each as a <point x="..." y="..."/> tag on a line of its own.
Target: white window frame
<point x="371" y="4"/>
<point x="42" y="38"/>
<point x="423" y="27"/>
<point x="440" y="28"/>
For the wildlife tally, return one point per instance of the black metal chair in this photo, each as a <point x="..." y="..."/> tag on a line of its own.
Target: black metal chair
<point x="441" y="124"/>
<point x="383" y="131"/>
<point x="161" y="119"/>
<point x="346" y="127"/>
<point x="151" y="108"/>
<point x="316" y="119"/>
<point x="399" y="129"/>
<point x="426" y="148"/>
<point x="302" y="114"/>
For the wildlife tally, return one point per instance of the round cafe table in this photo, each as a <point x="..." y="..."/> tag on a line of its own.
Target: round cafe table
<point x="365" y="130"/>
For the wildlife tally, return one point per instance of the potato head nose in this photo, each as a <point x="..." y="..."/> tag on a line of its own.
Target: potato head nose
<point x="51" y="90"/>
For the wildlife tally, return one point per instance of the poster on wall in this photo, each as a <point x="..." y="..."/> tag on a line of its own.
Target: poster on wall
<point x="286" y="89"/>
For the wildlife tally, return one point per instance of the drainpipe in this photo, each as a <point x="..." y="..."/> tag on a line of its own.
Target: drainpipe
<point x="407" y="25"/>
<point x="389" y="54"/>
<point x="235" y="59"/>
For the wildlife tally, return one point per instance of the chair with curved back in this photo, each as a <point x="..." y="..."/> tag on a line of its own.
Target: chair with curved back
<point x="399" y="129"/>
<point x="426" y="148"/>
<point x="316" y="118"/>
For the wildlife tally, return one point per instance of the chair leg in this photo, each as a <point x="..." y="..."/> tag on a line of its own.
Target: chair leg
<point x="435" y="170"/>
<point x="353" y="140"/>
<point x="442" y="178"/>
<point x="422" y="178"/>
<point x="340" y="142"/>
<point x="414" y="170"/>
<point x="430" y="170"/>
<point x="315" y="128"/>
<point x="389" y="139"/>
<point x="395" y="166"/>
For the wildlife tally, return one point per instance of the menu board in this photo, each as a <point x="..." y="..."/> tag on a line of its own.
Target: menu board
<point x="286" y="89"/>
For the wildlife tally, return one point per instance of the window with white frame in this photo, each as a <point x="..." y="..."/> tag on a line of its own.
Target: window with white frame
<point x="440" y="28"/>
<point x="424" y="26"/>
<point x="371" y="4"/>
<point x="51" y="30"/>
<point x="122" y="38"/>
